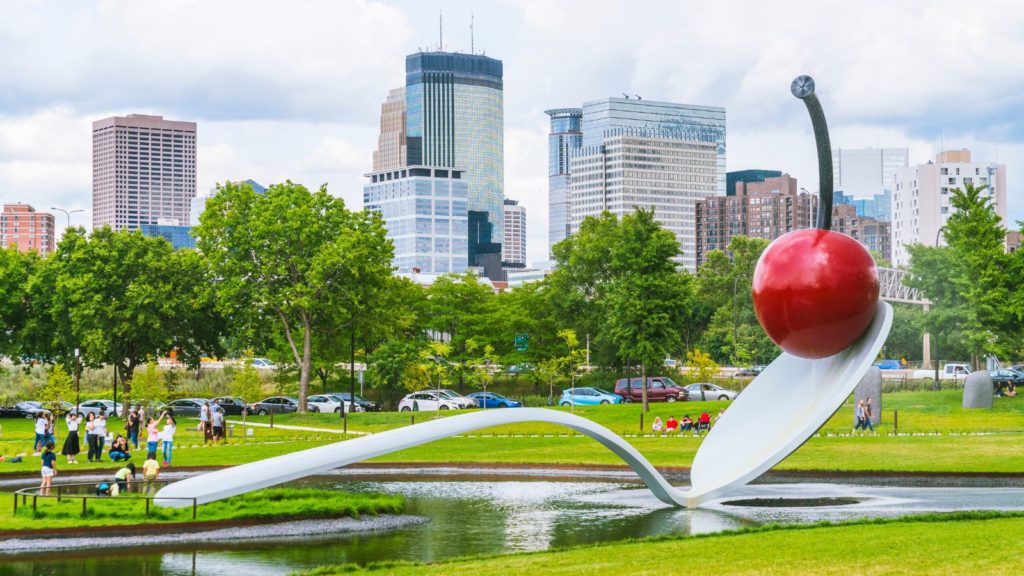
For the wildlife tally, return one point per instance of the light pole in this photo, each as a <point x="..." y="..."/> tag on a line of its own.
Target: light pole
<point x="936" y="385"/>
<point x="67" y="213"/>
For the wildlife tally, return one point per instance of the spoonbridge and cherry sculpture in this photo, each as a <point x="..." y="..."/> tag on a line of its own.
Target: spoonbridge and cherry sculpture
<point x="815" y="293"/>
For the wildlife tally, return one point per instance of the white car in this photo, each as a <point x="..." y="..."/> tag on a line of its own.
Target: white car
<point x="324" y="403"/>
<point x="710" y="392"/>
<point x="94" y="406"/>
<point x="425" y="401"/>
<point x="462" y="401"/>
<point x="263" y="364"/>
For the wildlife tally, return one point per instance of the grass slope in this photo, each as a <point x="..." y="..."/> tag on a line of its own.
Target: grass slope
<point x="974" y="545"/>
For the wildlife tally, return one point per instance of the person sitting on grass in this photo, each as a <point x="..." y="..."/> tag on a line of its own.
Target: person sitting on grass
<point x="672" y="425"/>
<point x="119" y="449"/>
<point x="124" y="477"/>
<point x="1010" y="391"/>
<point x="703" y="422"/>
<point x="657" y="427"/>
<point x="687" y="423"/>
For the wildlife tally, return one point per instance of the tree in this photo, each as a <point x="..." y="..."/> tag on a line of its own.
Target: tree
<point x="58" y="388"/>
<point x="246" y="382"/>
<point x="15" y="269"/>
<point x="971" y="283"/>
<point x="121" y="297"/>
<point x="702" y="367"/>
<point x="149" y="386"/>
<point x="648" y="300"/>
<point x="298" y="257"/>
<point x="394" y="368"/>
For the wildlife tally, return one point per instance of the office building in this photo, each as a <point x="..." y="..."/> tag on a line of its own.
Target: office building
<point x="565" y="138"/>
<point x="874" y="234"/>
<point x="867" y="172"/>
<point x="765" y="209"/>
<point x="878" y="207"/>
<point x="179" y="236"/>
<point x="920" y="201"/>
<point x="23" y="228"/>
<point x="444" y="130"/>
<point x="199" y="202"/>
<point x="755" y="175"/>
<point x="513" y="250"/>
<point x="426" y="215"/>
<point x="143" y="170"/>
<point x="645" y="154"/>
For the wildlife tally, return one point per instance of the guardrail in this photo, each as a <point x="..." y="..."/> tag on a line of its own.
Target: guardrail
<point x="61" y="494"/>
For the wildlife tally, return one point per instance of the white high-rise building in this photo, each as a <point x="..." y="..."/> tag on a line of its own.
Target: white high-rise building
<point x="513" y="250"/>
<point x="920" y="202"/>
<point x="867" y="172"/>
<point x="143" y="170"/>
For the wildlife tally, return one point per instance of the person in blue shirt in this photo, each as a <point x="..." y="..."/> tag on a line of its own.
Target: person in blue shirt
<point x="49" y="469"/>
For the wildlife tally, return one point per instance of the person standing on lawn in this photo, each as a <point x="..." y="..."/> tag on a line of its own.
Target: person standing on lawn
<point x="40" y="441"/>
<point x="168" y="435"/>
<point x="90" y="434"/>
<point x="49" y="469"/>
<point x="204" y="421"/>
<point x="99" y="428"/>
<point x="153" y="433"/>
<point x="132" y="426"/>
<point x="150" y="470"/>
<point x="71" y="446"/>
<point x="218" y="424"/>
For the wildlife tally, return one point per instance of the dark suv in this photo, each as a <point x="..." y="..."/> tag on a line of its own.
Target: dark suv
<point x="659" y="389"/>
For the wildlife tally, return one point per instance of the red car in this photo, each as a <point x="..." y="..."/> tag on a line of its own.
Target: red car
<point x="659" y="389"/>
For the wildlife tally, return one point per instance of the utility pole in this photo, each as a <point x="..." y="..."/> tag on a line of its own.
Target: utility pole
<point x="78" y="376"/>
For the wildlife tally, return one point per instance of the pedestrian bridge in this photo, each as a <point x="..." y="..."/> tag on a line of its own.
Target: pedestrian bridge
<point x="892" y="288"/>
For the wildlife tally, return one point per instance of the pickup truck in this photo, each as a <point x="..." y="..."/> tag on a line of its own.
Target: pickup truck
<point x="951" y="371"/>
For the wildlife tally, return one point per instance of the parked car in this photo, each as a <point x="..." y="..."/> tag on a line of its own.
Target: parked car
<point x="324" y="403"/>
<point x="888" y="364"/>
<point x="94" y="407"/>
<point x="361" y="404"/>
<point x="263" y="364"/>
<point x="659" y="389"/>
<point x="463" y="401"/>
<point x="184" y="406"/>
<point x="422" y="401"/>
<point x="32" y="408"/>
<point x="232" y="405"/>
<point x="708" y="391"/>
<point x="492" y="400"/>
<point x="1004" y="377"/>
<point x="751" y="372"/>
<point x="588" y="397"/>
<point x="275" y="405"/>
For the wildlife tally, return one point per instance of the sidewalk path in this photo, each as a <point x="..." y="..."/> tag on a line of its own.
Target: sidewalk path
<point x="300" y="428"/>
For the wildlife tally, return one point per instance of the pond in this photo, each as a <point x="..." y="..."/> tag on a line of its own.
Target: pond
<point x="511" y="515"/>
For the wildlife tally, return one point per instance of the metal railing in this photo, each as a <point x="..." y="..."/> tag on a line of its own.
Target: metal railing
<point x="62" y="494"/>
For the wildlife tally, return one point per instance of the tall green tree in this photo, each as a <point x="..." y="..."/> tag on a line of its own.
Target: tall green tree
<point x="298" y="257"/>
<point x="120" y="297"/>
<point x="648" y="300"/>
<point x="15" y="270"/>
<point x="971" y="282"/>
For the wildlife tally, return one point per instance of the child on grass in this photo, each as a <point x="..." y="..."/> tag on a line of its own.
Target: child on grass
<point x="49" y="469"/>
<point x="150" y="471"/>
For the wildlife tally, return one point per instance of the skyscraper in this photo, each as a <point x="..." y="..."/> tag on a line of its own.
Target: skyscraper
<point x="442" y="132"/>
<point x="645" y="154"/>
<point x="455" y="118"/>
<point x="27" y="230"/>
<point x="513" y="251"/>
<point x="565" y="138"/>
<point x="143" y="170"/>
<point x="920" y="202"/>
<point x="867" y="172"/>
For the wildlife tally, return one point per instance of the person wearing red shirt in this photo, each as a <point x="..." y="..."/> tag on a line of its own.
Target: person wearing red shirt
<point x="671" y="425"/>
<point x="704" y="422"/>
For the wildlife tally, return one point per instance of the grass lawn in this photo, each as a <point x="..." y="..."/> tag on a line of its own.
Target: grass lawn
<point x="923" y="546"/>
<point x="970" y="440"/>
<point x="17" y="434"/>
<point x="128" y="510"/>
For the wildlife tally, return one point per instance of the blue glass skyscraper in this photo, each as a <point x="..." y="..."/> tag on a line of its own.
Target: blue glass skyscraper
<point x="455" y="118"/>
<point x="564" y="139"/>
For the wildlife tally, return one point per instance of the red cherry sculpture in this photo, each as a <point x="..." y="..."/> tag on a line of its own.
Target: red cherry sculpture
<point x="815" y="292"/>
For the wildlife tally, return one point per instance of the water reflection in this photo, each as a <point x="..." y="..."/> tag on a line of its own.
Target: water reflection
<point x="490" y="517"/>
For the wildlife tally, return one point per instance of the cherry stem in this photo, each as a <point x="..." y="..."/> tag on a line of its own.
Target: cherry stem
<point x="803" y="88"/>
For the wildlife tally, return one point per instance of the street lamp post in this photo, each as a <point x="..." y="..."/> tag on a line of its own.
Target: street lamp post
<point x="67" y="213"/>
<point x="936" y="385"/>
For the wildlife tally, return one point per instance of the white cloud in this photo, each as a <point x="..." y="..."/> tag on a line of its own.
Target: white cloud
<point x="285" y="90"/>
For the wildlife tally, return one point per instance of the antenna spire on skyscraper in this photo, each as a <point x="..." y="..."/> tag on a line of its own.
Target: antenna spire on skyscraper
<point x="472" y="47"/>
<point x="440" y="31"/>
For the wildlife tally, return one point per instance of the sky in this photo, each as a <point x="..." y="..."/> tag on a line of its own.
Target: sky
<point x="292" y="89"/>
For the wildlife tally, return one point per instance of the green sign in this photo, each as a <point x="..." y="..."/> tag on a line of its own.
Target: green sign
<point x="522" y="342"/>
